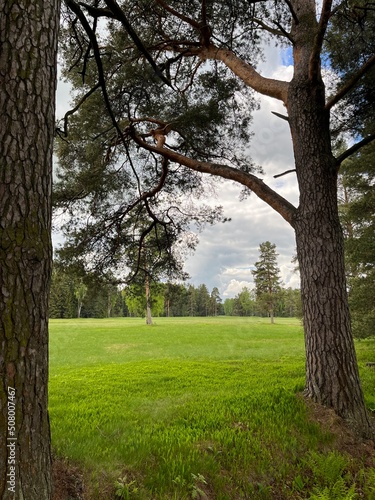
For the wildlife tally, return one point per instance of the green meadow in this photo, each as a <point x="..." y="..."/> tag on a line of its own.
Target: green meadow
<point x="196" y="408"/>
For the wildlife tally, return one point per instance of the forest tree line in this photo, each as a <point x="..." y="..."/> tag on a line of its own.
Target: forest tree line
<point x="72" y="297"/>
<point x="101" y="300"/>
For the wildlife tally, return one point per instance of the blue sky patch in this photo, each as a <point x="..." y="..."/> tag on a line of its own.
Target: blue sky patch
<point x="287" y="56"/>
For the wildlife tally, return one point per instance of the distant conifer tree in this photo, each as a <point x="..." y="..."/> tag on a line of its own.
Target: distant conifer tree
<point x="267" y="278"/>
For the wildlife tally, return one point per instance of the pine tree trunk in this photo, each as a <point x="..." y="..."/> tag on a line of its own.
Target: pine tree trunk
<point x="28" y="41"/>
<point x="332" y="377"/>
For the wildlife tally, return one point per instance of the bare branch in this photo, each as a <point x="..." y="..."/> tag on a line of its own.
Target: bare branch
<point x="279" y="115"/>
<point x="97" y="12"/>
<point x="185" y="19"/>
<point x="356" y="147"/>
<point x="273" y="31"/>
<point x="284" y="173"/>
<point x="351" y="83"/>
<point x="192" y="76"/>
<point x="264" y="192"/>
<point x="292" y="11"/>
<point x="160" y="184"/>
<point x="120" y="16"/>
<point x="76" y="108"/>
<point x="314" y="63"/>
<point x="284" y="32"/>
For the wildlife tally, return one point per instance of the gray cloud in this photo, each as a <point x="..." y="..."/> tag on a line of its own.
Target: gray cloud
<point x="63" y="96"/>
<point x="227" y="252"/>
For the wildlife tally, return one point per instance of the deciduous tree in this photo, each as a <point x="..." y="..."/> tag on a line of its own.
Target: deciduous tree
<point x="80" y="292"/>
<point x="244" y="302"/>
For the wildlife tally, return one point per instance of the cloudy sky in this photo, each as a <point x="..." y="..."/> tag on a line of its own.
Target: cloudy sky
<point x="227" y="252"/>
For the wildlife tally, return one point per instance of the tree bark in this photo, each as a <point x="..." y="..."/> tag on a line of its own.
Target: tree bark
<point x="28" y="44"/>
<point x="332" y="377"/>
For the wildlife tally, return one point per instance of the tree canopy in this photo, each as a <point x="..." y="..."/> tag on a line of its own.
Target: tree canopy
<point x="164" y="92"/>
<point x="357" y="206"/>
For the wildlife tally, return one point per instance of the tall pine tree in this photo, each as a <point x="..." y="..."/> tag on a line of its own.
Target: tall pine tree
<point x="267" y="278"/>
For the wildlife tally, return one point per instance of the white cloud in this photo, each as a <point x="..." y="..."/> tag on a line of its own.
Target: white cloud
<point x="234" y="287"/>
<point x="63" y="97"/>
<point x="226" y="252"/>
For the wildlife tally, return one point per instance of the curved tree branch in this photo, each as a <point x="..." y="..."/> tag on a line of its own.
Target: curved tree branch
<point x="285" y="33"/>
<point x="292" y="11"/>
<point x="76" y="108"/>
<point x="277" y="32"/>
<point x="314" y="64"/>
<point x="351" y="83"/>
<point x="286" y="209"/>
<point x="284" y="173"/>
<point x="182" y="17"/>
<point x="97" y="12"/>
<point x="277" y="89"/>
<point x="356" y="147"/>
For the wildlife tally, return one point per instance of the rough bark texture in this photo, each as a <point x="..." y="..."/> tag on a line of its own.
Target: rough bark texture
<point x="332" y="377"/>
<point x="28" y="41"/>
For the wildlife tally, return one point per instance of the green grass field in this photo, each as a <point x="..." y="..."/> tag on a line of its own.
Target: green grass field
<point x="195" y="408"/>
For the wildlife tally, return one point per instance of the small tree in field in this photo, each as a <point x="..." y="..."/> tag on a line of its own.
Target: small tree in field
<point x="267" y="278"/>
<point x="244" y="304"/>
<point x="80" y="293"/>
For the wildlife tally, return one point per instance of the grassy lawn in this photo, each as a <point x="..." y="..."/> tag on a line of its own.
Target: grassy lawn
<point x="196" y="408"/>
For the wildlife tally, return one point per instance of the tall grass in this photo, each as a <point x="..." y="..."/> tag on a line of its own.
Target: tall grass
<point x="189" y="408"/>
